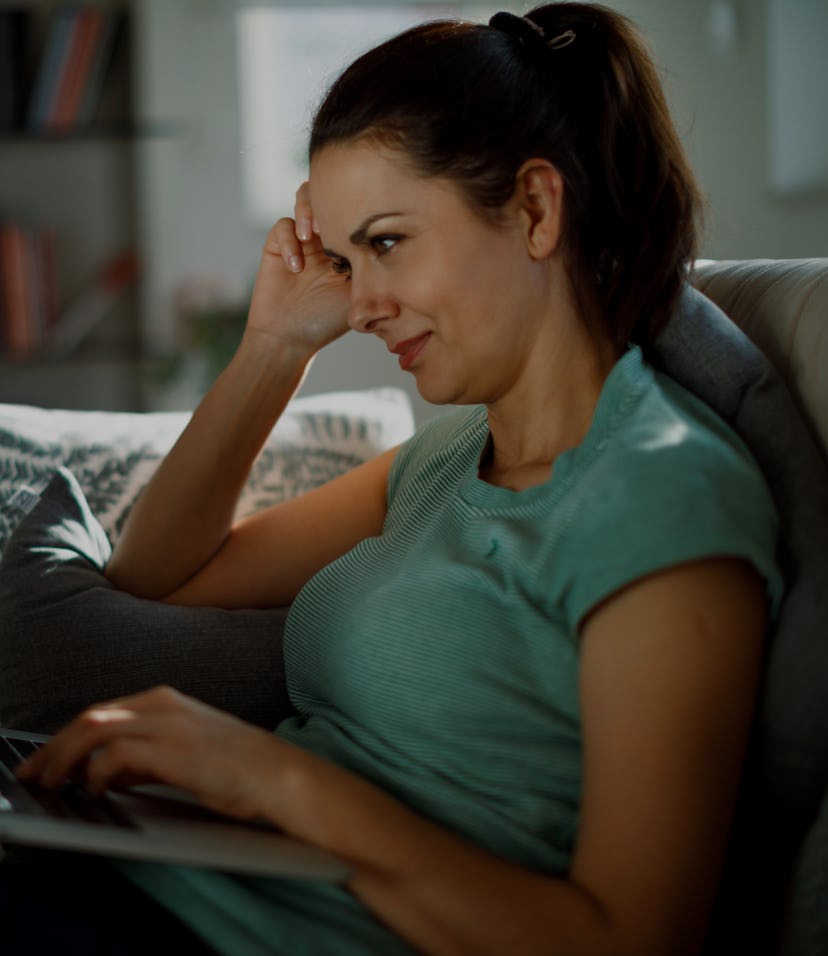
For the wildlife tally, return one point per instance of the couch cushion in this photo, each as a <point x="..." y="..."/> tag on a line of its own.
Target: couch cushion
<point x="69" y="639"/>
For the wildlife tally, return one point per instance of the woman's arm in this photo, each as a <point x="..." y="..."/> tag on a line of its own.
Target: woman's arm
<point x="264" y="560"/>
<point x="668" y="678"/>
<point x="185" y="514"/>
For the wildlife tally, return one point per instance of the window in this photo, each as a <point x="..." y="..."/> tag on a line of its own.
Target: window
<point x="288" y="56"/>
<point x="797" y="80"/>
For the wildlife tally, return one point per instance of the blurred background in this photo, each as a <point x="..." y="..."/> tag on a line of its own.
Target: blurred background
<point x="145" y="148"/>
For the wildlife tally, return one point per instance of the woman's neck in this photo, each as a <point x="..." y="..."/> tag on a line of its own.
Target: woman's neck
<point x="547" y="412"/>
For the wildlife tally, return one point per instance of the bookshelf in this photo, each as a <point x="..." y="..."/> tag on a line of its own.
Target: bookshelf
<point x="69" y="325"/>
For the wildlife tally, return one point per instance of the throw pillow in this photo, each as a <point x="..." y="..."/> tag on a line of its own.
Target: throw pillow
<point x="113" y="455"/>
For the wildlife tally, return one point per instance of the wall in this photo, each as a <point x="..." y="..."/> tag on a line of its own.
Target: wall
<point x="720" y="103"/>
<point x="190" y="188"/>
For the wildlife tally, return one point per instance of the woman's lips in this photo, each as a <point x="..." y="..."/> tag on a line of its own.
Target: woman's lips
<point x="410" y="349"/>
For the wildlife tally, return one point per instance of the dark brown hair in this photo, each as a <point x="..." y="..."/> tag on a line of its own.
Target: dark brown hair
<point x="472" y="103"/>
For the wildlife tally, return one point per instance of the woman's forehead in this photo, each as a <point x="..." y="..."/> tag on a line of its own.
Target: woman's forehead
<point x="352" y="181"/>
<point x="357" y="166"/>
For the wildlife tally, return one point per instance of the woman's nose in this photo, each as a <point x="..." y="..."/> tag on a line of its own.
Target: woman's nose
<point x="360" y="320"/>
<point x="370" y="305"/>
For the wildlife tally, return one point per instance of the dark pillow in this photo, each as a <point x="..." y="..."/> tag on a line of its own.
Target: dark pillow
<point x="69" y="639"/>
<point x="788" y="772"/>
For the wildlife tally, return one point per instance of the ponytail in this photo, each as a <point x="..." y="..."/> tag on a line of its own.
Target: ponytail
<point x="635" y="207"/>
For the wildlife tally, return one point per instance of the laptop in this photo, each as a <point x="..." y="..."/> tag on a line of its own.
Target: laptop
<point x="148" y="822"/>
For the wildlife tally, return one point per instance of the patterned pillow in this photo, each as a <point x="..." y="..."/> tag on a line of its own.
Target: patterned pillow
<point x="113" y="454"/>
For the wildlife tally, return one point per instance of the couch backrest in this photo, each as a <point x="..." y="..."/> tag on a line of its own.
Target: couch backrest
<point x="782" y="304"/>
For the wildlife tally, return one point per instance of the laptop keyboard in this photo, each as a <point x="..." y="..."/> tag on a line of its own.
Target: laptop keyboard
<point x="71" y="802"/>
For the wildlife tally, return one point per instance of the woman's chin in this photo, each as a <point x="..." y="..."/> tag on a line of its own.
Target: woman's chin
<point x="439" y="392"/>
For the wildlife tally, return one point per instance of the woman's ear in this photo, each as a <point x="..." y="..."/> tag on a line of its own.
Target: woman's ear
<point x="538" y="200"/>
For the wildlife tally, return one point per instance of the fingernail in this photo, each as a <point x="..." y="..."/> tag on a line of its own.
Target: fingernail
<point x="295" y="264"/>
<point x="304" y="230"/>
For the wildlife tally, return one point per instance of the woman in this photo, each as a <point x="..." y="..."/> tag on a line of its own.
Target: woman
<point x="523" y="647"/>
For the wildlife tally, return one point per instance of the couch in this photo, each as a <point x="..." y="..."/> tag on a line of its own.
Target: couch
<point x="772" y="385"/>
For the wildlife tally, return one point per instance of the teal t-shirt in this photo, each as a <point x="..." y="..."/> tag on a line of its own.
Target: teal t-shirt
<point x="440" y="658"/>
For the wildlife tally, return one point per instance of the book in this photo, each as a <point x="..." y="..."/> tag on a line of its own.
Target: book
<point x="52" y="67"/>
<point x="65" y="112"/>
<point x="93" y="106"/>
<point x="18" y="301"/>
<point x="27" y="289"/>
<point x="75" y="85"/>
<point x="45" y="283"/>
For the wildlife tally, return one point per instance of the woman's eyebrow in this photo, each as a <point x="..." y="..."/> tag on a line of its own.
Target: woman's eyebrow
<point x="358" y="237"/>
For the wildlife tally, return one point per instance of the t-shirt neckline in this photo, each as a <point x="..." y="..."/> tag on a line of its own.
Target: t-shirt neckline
<point x="625" y="382"/>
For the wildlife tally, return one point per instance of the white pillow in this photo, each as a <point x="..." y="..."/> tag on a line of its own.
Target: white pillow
<point x="113" y="454"/>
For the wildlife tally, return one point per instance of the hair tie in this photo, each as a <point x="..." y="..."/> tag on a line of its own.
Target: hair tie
<point x="529" y="33"/>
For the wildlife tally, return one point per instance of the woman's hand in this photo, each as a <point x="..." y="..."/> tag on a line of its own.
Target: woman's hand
<point x="162" y="736"/>
<point x="298" y="297"/>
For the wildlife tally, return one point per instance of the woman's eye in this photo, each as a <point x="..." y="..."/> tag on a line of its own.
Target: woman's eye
<point x="383" y="244"/>
<point x="341" y="267"/>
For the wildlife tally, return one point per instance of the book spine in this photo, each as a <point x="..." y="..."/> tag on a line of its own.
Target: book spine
<point x="99" y="67"/>
<point x="36" y="292"/>
<point x="17" y="304"/>
<point x="27" y="289"/>
<point x="47" y="279"/>
<point x="51" y="69"/>
<point x="85" y="37"/>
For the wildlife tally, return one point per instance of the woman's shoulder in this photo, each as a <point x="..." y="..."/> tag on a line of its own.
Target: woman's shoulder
<point x="681" y="440"/>
<point x="671" y="452"/>
<point x="670" y="483"/>
<point x="453" y="437"/>
<point x="663" y="431"/>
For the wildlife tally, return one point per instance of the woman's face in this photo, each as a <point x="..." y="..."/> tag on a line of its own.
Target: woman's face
<point x="453" y="296"/>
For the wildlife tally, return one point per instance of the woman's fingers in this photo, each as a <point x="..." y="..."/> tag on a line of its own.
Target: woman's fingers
<point x="297" y="294"/>
<point x="303" y="213"/>
<point x="69" y="751"/>
<point x="125" y="761"/>
<point x="160" y="736"/>
<point x="286" y="238"/>
<point x="283" y="241"/>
